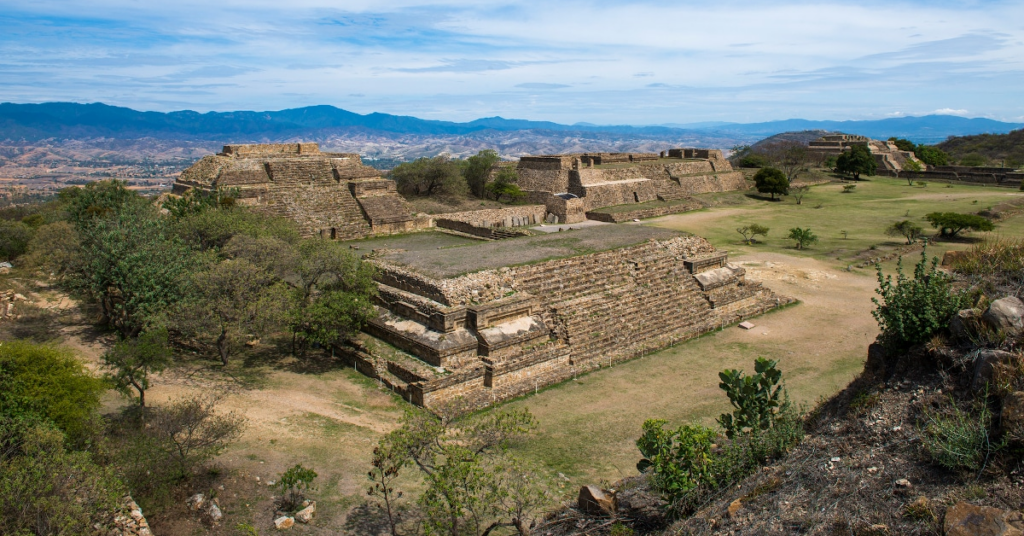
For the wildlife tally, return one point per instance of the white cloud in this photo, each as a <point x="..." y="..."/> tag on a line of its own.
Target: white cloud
<point x="948" y="111"/>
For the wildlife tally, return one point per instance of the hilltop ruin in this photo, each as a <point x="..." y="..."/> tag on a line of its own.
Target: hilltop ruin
<point x="332" y="195"/>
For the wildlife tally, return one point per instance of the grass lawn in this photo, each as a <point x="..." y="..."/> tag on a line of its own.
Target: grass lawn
<point x="863" y="214"/>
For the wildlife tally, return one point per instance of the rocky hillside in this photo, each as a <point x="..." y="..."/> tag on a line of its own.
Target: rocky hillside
<point x="927" y="440"/>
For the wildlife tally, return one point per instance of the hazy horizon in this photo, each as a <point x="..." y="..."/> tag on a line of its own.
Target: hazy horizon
<point x="632" y="63"/>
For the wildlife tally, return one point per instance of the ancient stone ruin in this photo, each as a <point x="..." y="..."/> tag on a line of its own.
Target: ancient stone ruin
<point x="891" y="162"/>
<point x="328" y="194"/>
<point x="573" y="185"/>
<point x="493" y="334"/>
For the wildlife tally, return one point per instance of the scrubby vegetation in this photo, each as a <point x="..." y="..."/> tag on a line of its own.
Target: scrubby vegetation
<point x="479" y="175"/>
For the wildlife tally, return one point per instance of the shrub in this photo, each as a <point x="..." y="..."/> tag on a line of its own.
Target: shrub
<point x="687" y="466"/>
<point x="912" y="310"/>
<point x="849" y="188"/>
<point x="47" y="382"/>
<point x="14" y="239"/>
<point x="755" y="397"/>
<point x="191" y="433"/>
<point x="931" y="155"/>
<point x="293" y="484"/>
<point x="45" y="488"/>
<point x="430" y="176"/>
<point x="973" y="160"/>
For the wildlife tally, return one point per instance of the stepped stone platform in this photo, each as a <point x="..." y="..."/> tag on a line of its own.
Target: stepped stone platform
<point x="595" y="180"/>
<point x="484" y="328"/>
<point x="332" y="195"/>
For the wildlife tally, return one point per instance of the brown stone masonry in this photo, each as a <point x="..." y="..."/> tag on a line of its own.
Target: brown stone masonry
<point x="491" y="335"/>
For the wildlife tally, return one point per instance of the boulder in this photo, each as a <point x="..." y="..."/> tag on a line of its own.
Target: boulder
<point x="284" y="523"/>
<point x="594" y="501"/>
<point x="965" y="519"/>
<point x="965" y="323"/>
<point x="1012" y="416"/>
<point x="306" y="514"/>
<point x="1006" y="314"/>
<point x="985" y="365"/>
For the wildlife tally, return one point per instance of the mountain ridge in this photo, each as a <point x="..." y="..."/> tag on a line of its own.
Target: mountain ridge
<point x="92" y="120"/>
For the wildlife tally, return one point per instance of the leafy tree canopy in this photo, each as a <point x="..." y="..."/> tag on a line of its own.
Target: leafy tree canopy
<point x="857" y="161"/>
<point x="771" y="181"/>
<point x="439" y="175"/>
<point x="952" y="223"/>
<point x="477" y="170"/>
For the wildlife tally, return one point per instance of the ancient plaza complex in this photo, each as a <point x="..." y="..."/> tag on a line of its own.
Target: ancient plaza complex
<point x="481" y="306"/>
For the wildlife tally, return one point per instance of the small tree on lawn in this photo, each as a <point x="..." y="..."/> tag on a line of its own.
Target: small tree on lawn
<point x="750" y="232"/>
<point x="131" y="361"/>
<point x="798" y="192"/>
<point x="504" y="185"/>
<point x="906" y="228"/>
<point x="771" y="181"/>
<point x="803" y="237"/>
<point x="912" y="166"/>
<point x="293" y="485"/>
<point x="952" y="223"/>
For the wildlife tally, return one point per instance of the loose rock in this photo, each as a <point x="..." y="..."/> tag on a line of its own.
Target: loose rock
<point x="306" y="514"/>
<point x="986" y="364"/>
<point x="195" y="502"/>
<point x="1005" y="314"/>
<point x="594" y="501"/>
<point x="734" y="507"/>
<point x="284" y="523"/>
<point x="965" y="519"/>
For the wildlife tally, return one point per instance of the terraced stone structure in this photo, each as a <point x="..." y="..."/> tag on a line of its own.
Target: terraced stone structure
<point x="486" y="336"/>
<point x="328" y="194"/>
<point x="608" y="179"/>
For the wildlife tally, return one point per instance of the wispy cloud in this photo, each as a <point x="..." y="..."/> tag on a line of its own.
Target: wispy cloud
<point x="607" y="62"/>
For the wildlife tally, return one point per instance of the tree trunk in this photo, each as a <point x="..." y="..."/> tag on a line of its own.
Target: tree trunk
<point x="222" y="346"/>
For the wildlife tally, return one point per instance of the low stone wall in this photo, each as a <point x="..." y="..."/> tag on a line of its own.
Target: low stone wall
<point x="619" y="217"/>
<point x="1007" y="177"/>
<point x="513" y="216"/>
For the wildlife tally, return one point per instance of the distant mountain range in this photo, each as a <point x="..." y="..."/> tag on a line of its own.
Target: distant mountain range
<point x="34" y="122"/>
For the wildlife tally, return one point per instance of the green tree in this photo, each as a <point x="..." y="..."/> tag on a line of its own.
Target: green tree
<point x="952" y="223"/>
<point x="803" y="237"/>
<point x="46" y="382"/>
<point x="906" y="228"/>
<point x="213" y="229"/>
<point x="769" y="180"/>
<point x="14" y="239"/>
<point x="754" y="160"/>
<point x="477" y="170"/>
<point x="931" y="155"/>
<point x="332" y="293"/>
<point x="234" y="301"/>
<point x="57" y="249"/>
<point x="439" y="175"/>
<point x="472" y="485"/>
<point x="858" y="160"/>
<point x="903" y="144"/>
<point x="131" y="361"/>
<point x="751" y="232"/>
<point x="504" y="185"/>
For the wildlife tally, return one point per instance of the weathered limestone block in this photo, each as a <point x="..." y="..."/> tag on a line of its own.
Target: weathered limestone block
<point x="1006" y="314"/>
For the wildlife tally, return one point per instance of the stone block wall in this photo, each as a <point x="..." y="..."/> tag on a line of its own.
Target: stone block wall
<point x="543" y="323"/>
<point x="513" y="216"/>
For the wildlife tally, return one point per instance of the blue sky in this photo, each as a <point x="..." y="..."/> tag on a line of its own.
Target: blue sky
<point x="599" y="62"/>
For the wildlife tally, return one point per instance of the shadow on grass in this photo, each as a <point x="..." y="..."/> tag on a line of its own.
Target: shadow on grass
<point x="761" y="197"/>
